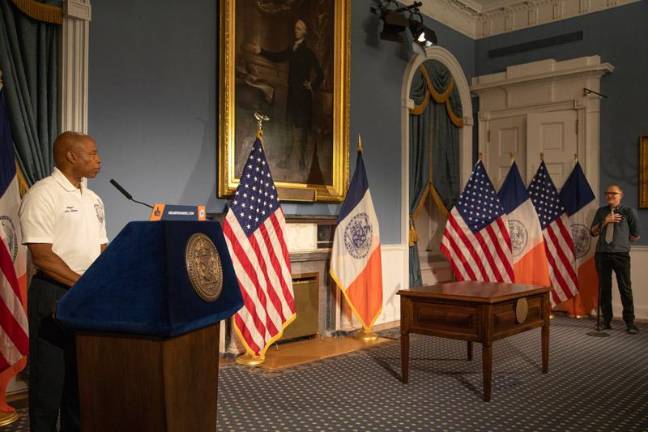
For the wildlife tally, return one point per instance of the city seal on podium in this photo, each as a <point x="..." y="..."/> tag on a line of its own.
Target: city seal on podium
<point x="204" y="267"/>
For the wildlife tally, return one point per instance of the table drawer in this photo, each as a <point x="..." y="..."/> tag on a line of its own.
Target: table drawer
<point x="450" y="318"/>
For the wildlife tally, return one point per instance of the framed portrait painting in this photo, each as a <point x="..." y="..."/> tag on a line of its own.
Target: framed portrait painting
<point x="643" y="172"/>
<point x="287" y="59"/>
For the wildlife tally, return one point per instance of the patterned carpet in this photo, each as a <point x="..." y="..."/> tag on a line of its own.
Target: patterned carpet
<point x="594" y="384"/>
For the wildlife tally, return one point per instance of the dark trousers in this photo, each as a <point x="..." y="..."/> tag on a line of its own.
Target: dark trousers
<point x="53" y="382"/>
<point x="620" y="264"/>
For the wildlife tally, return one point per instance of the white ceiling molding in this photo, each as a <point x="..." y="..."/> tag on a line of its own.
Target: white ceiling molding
<point x="483" y="18"/>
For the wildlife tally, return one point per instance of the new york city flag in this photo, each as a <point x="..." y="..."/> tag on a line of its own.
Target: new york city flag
<point x="356" y="265"/>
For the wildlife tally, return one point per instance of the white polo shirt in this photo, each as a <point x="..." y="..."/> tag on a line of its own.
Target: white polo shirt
<point x="70" y="219"/>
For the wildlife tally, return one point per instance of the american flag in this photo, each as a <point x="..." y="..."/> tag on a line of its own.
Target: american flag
<point x="558" y="239"/>
<point x="14" y="339"/>
<point x="476" y="238"/>
<point x="254" y="231"/>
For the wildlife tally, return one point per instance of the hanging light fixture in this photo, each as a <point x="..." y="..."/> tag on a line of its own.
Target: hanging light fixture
<point x="422" y="34"/>
<point x="397" y="18"/>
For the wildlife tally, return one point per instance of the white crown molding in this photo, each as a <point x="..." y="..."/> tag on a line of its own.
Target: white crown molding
<point x="488" y="18"/>
<point x="539" y="71"/>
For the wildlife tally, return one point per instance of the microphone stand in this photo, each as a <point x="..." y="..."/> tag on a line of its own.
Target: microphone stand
<point x="142" y="203"/>
<point x="598" y="332"/>
<point x="127" y="194"/>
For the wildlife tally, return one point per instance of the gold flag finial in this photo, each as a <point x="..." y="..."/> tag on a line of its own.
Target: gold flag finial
<point x="260" y="118"/>
<point x="360" y="149"/>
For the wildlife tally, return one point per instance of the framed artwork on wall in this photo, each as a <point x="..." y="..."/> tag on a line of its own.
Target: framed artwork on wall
<point x="643" y="172"/>
<point x="289" y="60"/>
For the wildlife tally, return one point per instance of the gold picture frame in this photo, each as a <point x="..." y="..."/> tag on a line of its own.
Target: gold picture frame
<point x="244" y="68"/>
<point x="643" y="172"/>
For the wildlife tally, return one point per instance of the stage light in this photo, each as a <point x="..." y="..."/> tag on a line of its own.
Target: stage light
<point x="422" y="34"/>
<point x="395" y="21"/>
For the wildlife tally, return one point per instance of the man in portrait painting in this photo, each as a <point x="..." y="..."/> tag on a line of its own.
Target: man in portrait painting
<point x="284" y="69"/>
<point x="304" y="77"/>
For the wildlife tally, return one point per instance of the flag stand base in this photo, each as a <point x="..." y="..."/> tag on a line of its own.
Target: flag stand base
<point x="597" y="333"/>
<point x="366" y="336"/>
<point x="7" y="418"/>
<point x="250" y="360"/>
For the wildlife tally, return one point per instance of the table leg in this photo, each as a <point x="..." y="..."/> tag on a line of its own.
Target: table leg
<point x="470" y="350"/>
<point x="405" y="357"/>
<point x="487" y="368"/>
<point x="545" y="348"/>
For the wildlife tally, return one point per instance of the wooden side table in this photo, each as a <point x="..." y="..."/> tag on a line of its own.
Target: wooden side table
<point x="475" y="312"/>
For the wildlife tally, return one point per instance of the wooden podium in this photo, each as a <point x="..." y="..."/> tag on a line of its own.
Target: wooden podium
<point x="146" y="317"/>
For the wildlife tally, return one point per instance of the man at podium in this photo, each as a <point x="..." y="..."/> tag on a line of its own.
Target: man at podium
<point x="63" y="225"/>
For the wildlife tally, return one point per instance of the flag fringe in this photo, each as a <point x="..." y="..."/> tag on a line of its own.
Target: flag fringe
<point x="274" y="339"/>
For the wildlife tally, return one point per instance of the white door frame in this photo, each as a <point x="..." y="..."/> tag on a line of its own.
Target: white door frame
<point x="544" y="86"/>
<point x="446" y="58"/>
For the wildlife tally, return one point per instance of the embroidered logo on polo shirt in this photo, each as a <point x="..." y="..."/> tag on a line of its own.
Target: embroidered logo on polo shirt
<point x="100" y="212"/>
<point x="71" y="209"/>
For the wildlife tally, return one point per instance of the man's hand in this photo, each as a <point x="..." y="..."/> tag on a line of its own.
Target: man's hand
<point x="307" y="86"/>
<point x="613" y="218"/>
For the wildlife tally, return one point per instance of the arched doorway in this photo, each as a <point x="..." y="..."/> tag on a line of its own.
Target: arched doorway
<point x="441" y="72"/>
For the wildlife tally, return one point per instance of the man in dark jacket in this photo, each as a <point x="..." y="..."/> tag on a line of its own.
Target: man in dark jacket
<point x="616" y="226"/>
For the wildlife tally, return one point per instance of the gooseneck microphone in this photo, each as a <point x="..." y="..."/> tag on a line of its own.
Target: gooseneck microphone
<point x="126" y="194"/>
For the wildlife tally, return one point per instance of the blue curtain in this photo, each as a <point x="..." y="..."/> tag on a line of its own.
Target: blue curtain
<point x="419" y="130"/>
<point x="445" y="136"/>
<point x="434" y="140"/>
<point x="29" y="56"/>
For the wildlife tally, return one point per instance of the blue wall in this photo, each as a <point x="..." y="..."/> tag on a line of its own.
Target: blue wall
<point x="620" y="36"/>
<point x="153" y="105"/>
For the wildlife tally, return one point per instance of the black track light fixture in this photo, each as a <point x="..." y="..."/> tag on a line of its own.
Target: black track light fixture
<point x="396" y="19"/>
<point x="422" y="34"/>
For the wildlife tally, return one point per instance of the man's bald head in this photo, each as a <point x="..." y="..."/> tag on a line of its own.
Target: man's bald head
<point x="68" y="142"/>
<point x="76" y="154"/>
<point x="613" y="195"/>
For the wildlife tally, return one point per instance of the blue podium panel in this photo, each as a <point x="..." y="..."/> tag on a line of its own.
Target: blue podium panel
<point x="141" y="283"/>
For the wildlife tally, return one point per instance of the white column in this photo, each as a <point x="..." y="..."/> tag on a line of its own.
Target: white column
<point x="74" y="65"/>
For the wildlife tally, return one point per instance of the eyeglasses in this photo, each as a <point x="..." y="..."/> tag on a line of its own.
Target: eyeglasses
<point x="611" y="193"/>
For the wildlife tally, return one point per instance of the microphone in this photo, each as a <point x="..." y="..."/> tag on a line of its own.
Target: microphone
<point x="126" y="194"/>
